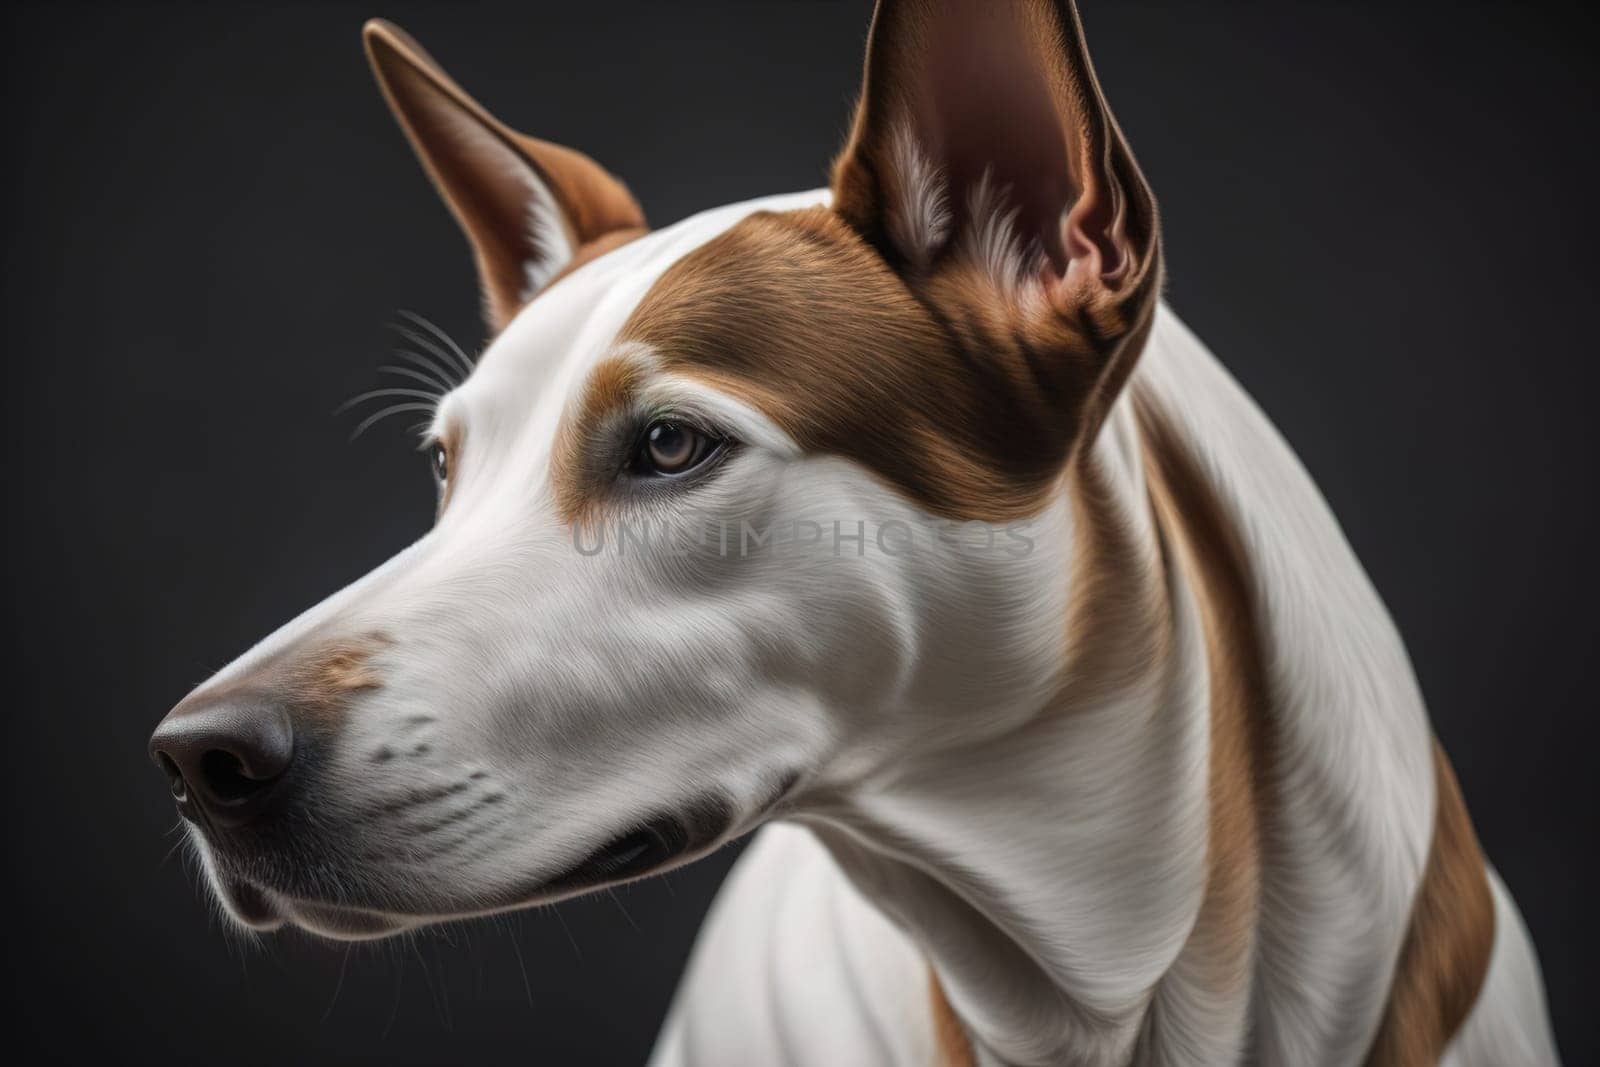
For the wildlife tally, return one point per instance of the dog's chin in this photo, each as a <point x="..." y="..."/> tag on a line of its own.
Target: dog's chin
<point x="264" y="911"/>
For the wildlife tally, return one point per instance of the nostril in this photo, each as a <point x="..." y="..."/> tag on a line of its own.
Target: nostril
<point x="226" y="778"/>
<point x="180" y="791"/>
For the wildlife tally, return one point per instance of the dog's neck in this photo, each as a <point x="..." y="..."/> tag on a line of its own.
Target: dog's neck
<point x="1058" y="873"/>
<point x="1108" y="880"/>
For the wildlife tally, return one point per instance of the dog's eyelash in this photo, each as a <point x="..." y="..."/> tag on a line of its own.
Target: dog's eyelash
<point x="437" y="365"/>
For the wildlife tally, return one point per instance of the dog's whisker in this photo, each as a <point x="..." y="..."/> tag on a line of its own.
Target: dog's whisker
<point x="466" y="364"/>
<point x="393" y="409"/>
<point x="555" y="909"/>
<point x="427" y="977"/>
<point x="612" y="893"/>
<point x="373" y="394"/>
<point x="522" y="968"/>
<point x="447" y="362"/>
<point x="446" y="373"/>
<point x="416" y="376"/>
<point x="430" y="347"/>
<point x="399" y="987"/>
<point x="339" y="985"/>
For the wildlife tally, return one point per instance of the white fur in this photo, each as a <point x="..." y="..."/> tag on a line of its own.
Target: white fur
<point x="919" y="219"/>
<point x="547" y="225"/>
<point x="921" y="223"/>
<point x="1510" y="1021"/>
<point x="991" y="239"/>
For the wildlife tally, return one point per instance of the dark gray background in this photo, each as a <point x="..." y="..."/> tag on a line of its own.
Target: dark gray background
<point x="1378" y="216"/>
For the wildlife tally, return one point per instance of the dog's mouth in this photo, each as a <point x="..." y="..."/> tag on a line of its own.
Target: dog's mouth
<point x="644" y="850"/>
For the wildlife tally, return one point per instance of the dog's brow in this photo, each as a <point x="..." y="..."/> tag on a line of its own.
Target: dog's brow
<point x="612" y="385"/>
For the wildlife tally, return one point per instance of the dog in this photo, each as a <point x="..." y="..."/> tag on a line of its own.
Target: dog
<point x="902" y="522"/>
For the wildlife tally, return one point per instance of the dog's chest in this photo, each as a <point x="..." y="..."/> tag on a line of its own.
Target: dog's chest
<point x="793" y="965"/>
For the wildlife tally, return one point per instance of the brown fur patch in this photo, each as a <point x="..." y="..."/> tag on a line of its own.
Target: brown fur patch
<point x="578" y="467"/>
<point x="1446" y="953"/>
<point x="953" y="1047"/>
<point x="345" y="667"/>
<point x="1445" y="956"/>
<point x="314" y="683"/>
<point x="1120" y="616"/>
<point x="1220" y="952"/>
<point x="966" y="401"/>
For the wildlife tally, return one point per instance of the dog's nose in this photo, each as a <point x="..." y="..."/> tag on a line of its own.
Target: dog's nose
<point x="223" y="756"/>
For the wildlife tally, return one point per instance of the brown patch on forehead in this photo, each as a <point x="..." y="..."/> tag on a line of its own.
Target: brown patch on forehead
<point x="962" y="399"/>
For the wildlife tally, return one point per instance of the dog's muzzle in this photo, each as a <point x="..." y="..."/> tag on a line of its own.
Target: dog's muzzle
<point x="247" y="767"/>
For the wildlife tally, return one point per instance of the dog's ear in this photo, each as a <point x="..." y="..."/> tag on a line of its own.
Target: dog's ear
<point x="528" y="206"/>
<point x="982" y="136"/>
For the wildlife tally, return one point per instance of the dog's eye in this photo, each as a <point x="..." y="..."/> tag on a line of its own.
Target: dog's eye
<point x="670" y="448"/>
<point x="441" y="462"/>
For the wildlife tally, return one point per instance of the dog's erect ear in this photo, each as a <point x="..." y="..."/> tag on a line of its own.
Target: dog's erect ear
<point x="982" y="134"/>
<point x="528" y="206"/>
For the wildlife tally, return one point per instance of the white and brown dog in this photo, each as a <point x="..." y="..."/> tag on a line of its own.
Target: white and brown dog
<point x="1084" y="737"/>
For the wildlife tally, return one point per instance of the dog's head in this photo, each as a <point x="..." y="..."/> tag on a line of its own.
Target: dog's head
<point x="732" y="515"/>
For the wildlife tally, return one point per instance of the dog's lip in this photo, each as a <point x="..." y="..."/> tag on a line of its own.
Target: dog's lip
<point x="653" y="845"/>
<point x="624" y="858"/>
<point x="251" y="905"/>
<point x="265" y="911"/>
<point x="632" y="855"/>
<point x="340" y="923"/>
